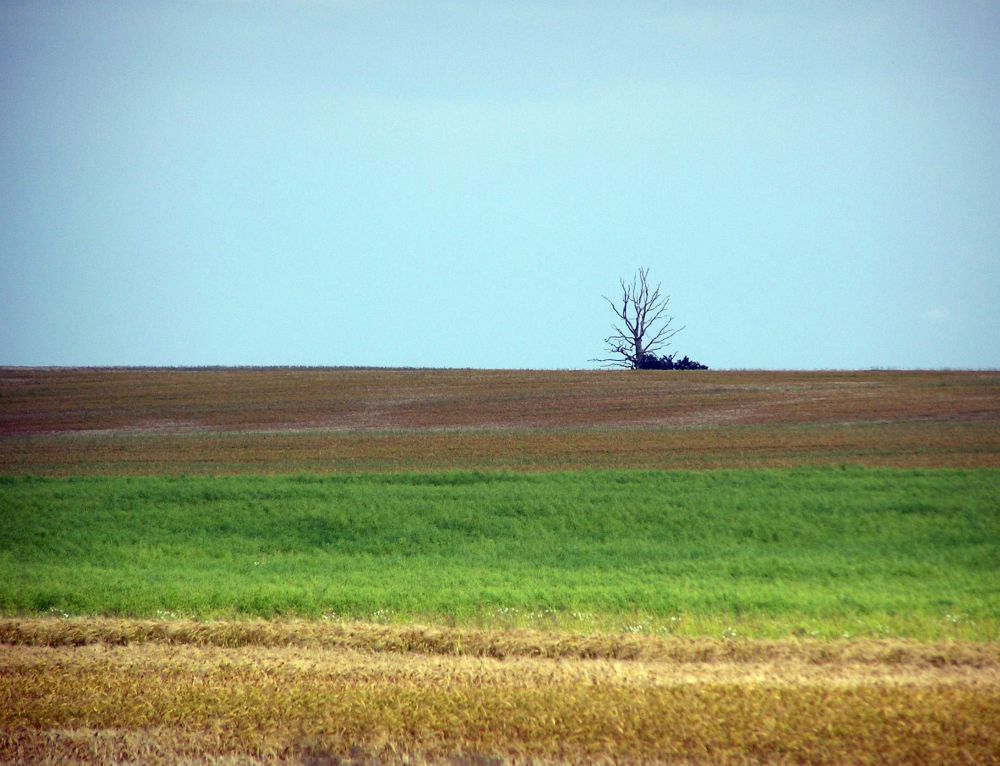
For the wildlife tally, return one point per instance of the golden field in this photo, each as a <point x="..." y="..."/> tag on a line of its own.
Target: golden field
<point x="106" y="691"/>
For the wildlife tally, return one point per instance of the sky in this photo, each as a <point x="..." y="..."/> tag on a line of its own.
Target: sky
<point x="458" y="183"/>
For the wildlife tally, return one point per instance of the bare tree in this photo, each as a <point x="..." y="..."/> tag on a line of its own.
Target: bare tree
<point x="645" y="325"/>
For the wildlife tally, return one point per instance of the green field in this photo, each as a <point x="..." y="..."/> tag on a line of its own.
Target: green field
<point x="827" y="552"/>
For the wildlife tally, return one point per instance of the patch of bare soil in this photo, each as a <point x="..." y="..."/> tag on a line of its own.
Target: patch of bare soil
<point x="34" y="401"/>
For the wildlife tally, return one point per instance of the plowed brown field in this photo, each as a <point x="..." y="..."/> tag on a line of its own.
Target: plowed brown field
<point x="120" y="421"/>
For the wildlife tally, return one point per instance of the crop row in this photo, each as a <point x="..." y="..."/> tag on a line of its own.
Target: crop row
<point x="427" y="640"/>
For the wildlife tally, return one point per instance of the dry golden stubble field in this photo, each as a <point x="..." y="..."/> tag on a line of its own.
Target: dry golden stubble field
<point x="271" y="420"/>
<point x="139" y="692"/>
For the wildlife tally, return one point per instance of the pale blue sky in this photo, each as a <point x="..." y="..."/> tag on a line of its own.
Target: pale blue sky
<point x="355" y="182"/>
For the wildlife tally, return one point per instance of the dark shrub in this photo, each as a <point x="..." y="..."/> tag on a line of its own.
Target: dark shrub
<point x="668" y="362"/>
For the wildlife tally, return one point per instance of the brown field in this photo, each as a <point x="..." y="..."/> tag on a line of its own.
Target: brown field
<point x="122" y="421"/>
<point x="102" y="691"/>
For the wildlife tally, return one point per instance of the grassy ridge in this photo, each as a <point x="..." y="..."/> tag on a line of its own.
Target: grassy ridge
<point x="864" y="552"/>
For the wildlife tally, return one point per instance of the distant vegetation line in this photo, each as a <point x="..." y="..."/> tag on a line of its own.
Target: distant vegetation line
<point x="767" y="553"/>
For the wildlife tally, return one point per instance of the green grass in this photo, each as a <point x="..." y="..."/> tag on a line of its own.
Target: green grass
<point x="761" y="553"/>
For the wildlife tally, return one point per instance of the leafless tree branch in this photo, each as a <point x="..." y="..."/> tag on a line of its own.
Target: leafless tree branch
<point x="645" y="325"/>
